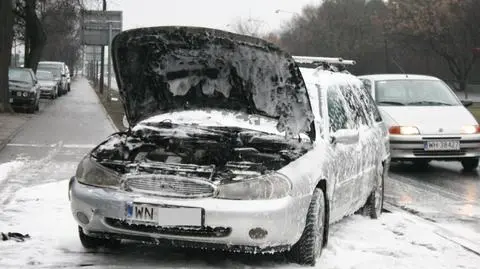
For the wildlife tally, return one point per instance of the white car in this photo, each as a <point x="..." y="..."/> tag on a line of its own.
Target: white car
<point x="225" y="149"/>
<point x="426" y="120"/>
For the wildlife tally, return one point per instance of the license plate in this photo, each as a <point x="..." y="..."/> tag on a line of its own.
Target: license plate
<point x="164" y="216"/>
<point x="10" y="100"/>
<point x="439" y="145"/>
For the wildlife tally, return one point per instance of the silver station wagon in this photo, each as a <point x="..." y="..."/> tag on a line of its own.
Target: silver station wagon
<point x="229" y="146"/>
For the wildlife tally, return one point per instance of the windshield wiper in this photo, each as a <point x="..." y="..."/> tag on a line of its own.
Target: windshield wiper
<point x="394" y="103"/>
<point x="429" y="103"/>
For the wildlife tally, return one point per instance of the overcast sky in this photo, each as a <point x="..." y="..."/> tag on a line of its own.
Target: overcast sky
<point x="207" y="13"/>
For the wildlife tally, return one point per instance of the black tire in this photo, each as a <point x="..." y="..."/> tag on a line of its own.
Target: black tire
<point x="470" y="164"/>
<point x="89" y="242"/>
<point x="68" y="87"/>
<point x="374" y="205"/>
<point x="37" y="106"/>
<point x="309" y="246"/>
<point x="31" y="110"/>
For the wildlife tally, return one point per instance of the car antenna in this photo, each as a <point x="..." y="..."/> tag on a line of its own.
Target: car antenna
<point x="399" y="67"/>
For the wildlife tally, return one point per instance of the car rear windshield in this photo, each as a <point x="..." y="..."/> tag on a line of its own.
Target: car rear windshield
<point x="44" y="75"/>
<point x="19" y="75"/>
<point x="414" y="93"/>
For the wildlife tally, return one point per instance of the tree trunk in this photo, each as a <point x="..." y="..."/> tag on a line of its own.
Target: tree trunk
<point x="6" y="38"/>
<point x="463" y="86"/>
<point x="35" y="35"/>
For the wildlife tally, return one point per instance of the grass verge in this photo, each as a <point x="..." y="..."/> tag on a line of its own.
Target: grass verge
<point x="114" y="107"/>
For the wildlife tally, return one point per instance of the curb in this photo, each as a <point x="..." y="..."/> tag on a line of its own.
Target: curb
<point x="104" y="110"/>
<point x="13" y="134"/>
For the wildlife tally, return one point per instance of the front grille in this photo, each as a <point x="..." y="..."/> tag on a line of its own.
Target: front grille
<point x="423" y="153"/>
<point x="170" y="185"/>
<point x="180" y="231"/>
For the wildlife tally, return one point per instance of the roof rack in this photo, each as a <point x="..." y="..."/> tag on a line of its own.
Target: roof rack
<point x="322" y="60"/>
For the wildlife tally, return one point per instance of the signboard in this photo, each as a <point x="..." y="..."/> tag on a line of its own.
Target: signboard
<point x="96" y="25"/>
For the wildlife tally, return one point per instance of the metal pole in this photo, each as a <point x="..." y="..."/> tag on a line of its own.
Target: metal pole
<point x="109" y="61"/>
<point x="102" y="60"/>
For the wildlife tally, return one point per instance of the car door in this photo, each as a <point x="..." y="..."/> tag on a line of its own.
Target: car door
<point x="341" y="162"/>
<point x="366" y="148"/>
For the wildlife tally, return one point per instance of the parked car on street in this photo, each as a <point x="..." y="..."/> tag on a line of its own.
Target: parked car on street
<point x="426" y="120"/>
<point x="48" y="84"/>
<point x="24" y="89"/>
<point x="226" y="150"/>
<point x="59" y="70"/>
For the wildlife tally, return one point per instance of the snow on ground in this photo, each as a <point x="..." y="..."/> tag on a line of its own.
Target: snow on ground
<point x="7" y="168"/>
<point x="42" y="211"/>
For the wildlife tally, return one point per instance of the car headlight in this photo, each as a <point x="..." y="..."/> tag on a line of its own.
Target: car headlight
<point x="470" y="129"/>
<point x="404" y="130"/>
<point x="25" y="94"/>
<point x="91" y="173"/>
<point x="270" y="186"/>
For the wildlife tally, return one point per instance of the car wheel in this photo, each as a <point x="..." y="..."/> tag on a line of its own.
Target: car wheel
<point x="470" y="164"/>
<point x="310" y="245"/>
<point x="37" y="106"/>
<point x="31" y="110"/>
<point x="374" y="205"/>
<point x="89" y="242"/>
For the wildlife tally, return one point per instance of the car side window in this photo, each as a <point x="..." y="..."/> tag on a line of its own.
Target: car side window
<point x="370" y="106"/>
<point x="354" y="107"/>
<point x="337" y="112"/>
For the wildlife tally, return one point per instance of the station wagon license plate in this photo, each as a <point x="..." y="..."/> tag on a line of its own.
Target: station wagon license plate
<point x="163" y="215"/>
<point x="442" y="145"/>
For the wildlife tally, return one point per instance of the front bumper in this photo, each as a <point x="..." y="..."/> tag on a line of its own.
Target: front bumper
<point x="412" y="147"/>
<point x="23" y="102"/>
<point x="227" y="223"/>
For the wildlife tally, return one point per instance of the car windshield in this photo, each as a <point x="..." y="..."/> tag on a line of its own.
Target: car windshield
<point x="44" y="75"/>
<point x="414" y="93"/>
<point x="19" y="76"/>
<point x="54" y="70"/>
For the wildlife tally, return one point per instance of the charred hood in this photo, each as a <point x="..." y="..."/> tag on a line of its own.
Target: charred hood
<point x="163" y="69"/>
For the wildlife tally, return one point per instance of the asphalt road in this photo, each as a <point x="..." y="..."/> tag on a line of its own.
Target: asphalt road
<point x="442" y="194"/>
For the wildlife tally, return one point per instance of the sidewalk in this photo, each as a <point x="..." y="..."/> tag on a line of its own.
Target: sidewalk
<point x="10" y="125"/>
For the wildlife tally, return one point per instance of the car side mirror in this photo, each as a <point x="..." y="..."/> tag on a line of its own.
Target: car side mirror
<point x="467" y="103"/>
<point x="345" y="136"/>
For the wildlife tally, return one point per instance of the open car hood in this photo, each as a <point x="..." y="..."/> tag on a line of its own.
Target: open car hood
<point x="165" y="69"/>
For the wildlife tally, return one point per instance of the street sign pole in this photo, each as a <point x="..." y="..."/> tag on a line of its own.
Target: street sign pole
<point x="109" y="62"/>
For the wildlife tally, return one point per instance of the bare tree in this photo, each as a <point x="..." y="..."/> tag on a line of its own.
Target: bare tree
<point x="6" y="36"/>
<point x="251" y="27"/>
<point x="449" y="28"/>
